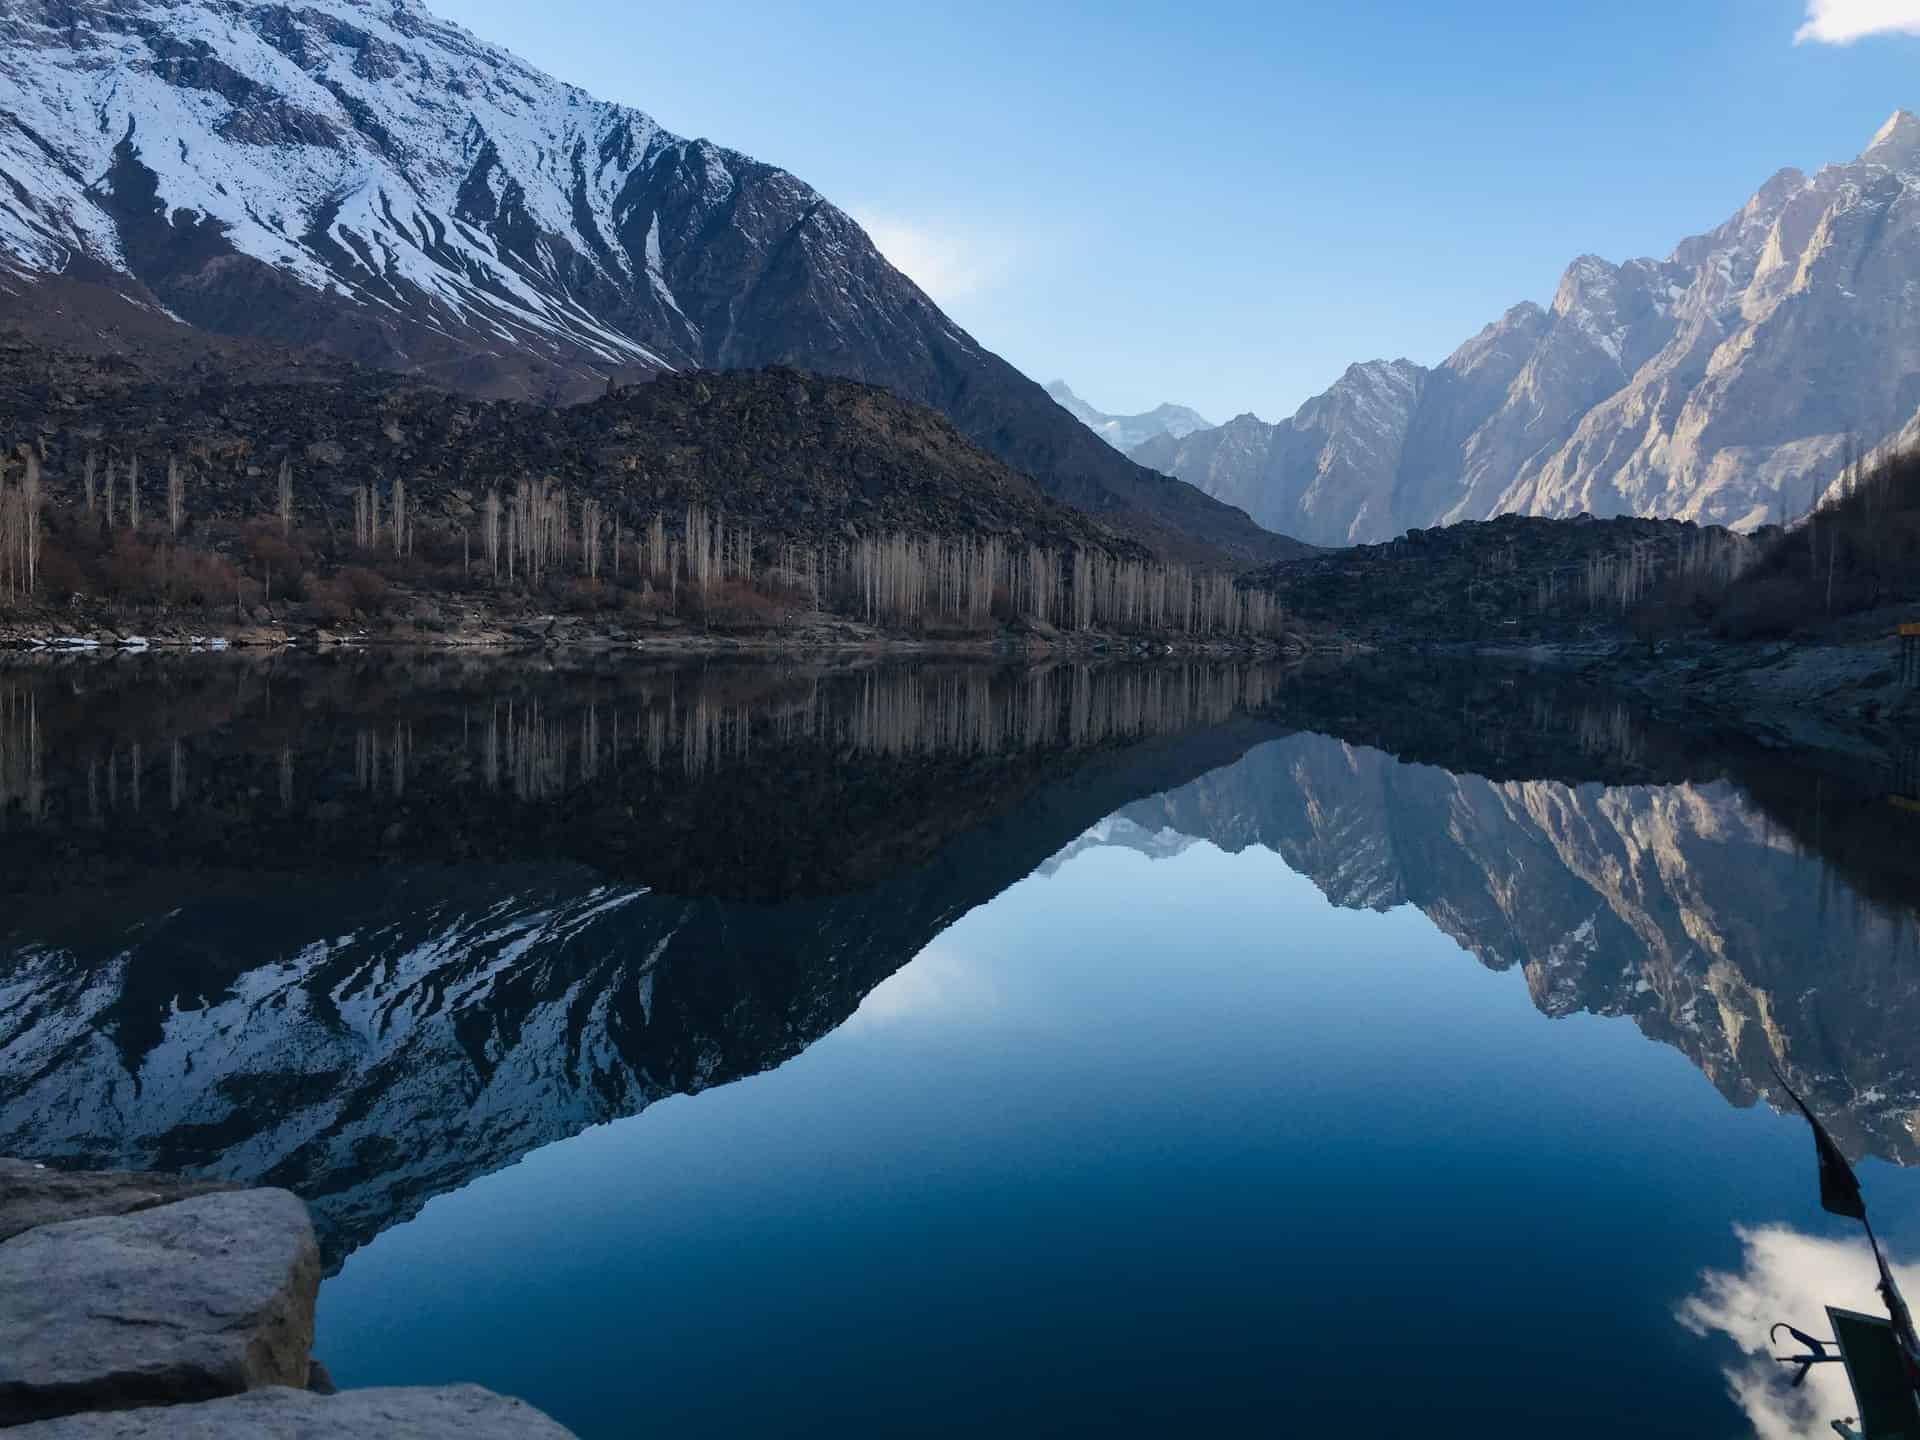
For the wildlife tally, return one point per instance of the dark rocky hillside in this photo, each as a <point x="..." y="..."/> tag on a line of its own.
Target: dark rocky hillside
<point x="792" y="455"/>
<point x="1512" y="578"/>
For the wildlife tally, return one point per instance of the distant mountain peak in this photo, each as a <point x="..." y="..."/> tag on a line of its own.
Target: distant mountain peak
<point x="1128" y="432"/>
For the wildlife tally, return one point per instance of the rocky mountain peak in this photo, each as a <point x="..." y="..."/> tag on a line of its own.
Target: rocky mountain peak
<point x="1897" y="143"/>
<point x="1587" y="276"/>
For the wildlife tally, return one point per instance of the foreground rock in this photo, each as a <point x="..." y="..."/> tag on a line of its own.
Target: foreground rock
<point x="200" y="1298"/>
<point x="32" y="1195"/>
<point x="455" y="1412"/>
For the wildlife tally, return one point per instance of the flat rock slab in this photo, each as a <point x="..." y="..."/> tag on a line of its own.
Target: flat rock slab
<point x="453" y="1412"/>
<point x="31" y="1195"/>
<point x="205" y="1297"/>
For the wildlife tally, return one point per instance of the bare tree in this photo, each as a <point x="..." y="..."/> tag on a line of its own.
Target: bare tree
<point x="30" y="501"/>
<point x="176" y="498"/>
<point x="399" y="523"/>
<point x="490" y="530"/>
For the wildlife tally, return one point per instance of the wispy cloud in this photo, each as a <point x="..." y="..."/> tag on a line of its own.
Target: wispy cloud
<point x="1785" y="1275"/>
<point x="1841" y="22"/>
<point x="951" y="262"/>
<point x="939" y="985"/>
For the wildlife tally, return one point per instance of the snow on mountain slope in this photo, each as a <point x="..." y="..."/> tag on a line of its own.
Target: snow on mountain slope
<point x="1124" y="432"/>
<point x="441" y="1026"/>
<point x="286" y="129"/>
<point x="363" y="177"/>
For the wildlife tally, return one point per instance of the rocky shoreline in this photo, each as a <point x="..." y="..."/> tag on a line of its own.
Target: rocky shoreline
<point x="1841" y="693"/>
<point x="810" y="634"/>
<point x="150" y="1304"/>
<point x="1838" y="690"/>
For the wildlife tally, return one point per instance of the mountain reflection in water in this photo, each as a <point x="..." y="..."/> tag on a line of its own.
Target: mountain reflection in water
<point x="372" y="927"/>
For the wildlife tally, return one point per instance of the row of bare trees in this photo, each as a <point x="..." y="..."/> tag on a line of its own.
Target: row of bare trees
<point x="1621" y="579"/>
<point x="368" y="526"/>
<point x="110" y="496"/>
<point x="539" y="750"/>
<point x="539" y="531"/>
<point x="21" y="533"/>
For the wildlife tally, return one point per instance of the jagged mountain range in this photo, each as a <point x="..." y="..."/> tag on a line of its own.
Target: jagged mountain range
<point x="365" y="179"/>
<point x="1723" y="383"/>
<point x="1125" y="432"/>
<point x="1681" y="907"/>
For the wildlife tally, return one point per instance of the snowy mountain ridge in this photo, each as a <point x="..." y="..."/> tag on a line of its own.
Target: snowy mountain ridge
<point x="280" y="127"/>
<point x="1124" y="432"/>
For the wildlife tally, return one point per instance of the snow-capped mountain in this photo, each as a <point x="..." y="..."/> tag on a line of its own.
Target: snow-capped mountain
<point x="1124" y="432"/>
<point x="363" y="177"/>
<point x="376" y="1042"/>
<point x="1721" y="384"/>
<point x="1118" y="832"/>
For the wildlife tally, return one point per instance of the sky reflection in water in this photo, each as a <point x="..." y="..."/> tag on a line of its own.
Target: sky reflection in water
<point x="1140" y="1144"/>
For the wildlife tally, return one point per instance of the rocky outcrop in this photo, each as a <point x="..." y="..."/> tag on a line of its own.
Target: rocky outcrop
<point x="451" y="1412"/>
<point x="1721" y="384"/>
<point x="32" y="1195"/>
<point x="127" y="1310"/>
<point x="1516" y="578"/>
<point x="207" y="1296"/>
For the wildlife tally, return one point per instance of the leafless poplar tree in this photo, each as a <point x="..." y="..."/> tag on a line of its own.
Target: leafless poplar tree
<point x="176" y="498"/>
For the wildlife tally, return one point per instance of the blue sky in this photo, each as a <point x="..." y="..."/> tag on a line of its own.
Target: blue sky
<point x="1225" y="204"/>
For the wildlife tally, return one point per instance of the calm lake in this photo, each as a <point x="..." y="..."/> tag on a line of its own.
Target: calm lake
<point x="760" y="1049"/>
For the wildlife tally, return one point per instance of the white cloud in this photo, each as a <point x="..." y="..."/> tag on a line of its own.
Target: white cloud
<point x="1788" y="1276"/>
<point x="950" y="262"/>
<point x="939" y="985"/>
<point x="1841" y="22"/>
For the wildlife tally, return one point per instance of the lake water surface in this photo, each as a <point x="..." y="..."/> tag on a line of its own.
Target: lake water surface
<point x="746" y="1049"/>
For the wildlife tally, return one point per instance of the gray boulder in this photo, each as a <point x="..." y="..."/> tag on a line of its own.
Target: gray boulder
<point x="32" y="1195"/>
<point x="454" y="1412"/>
<point x="205" y="1297"/>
